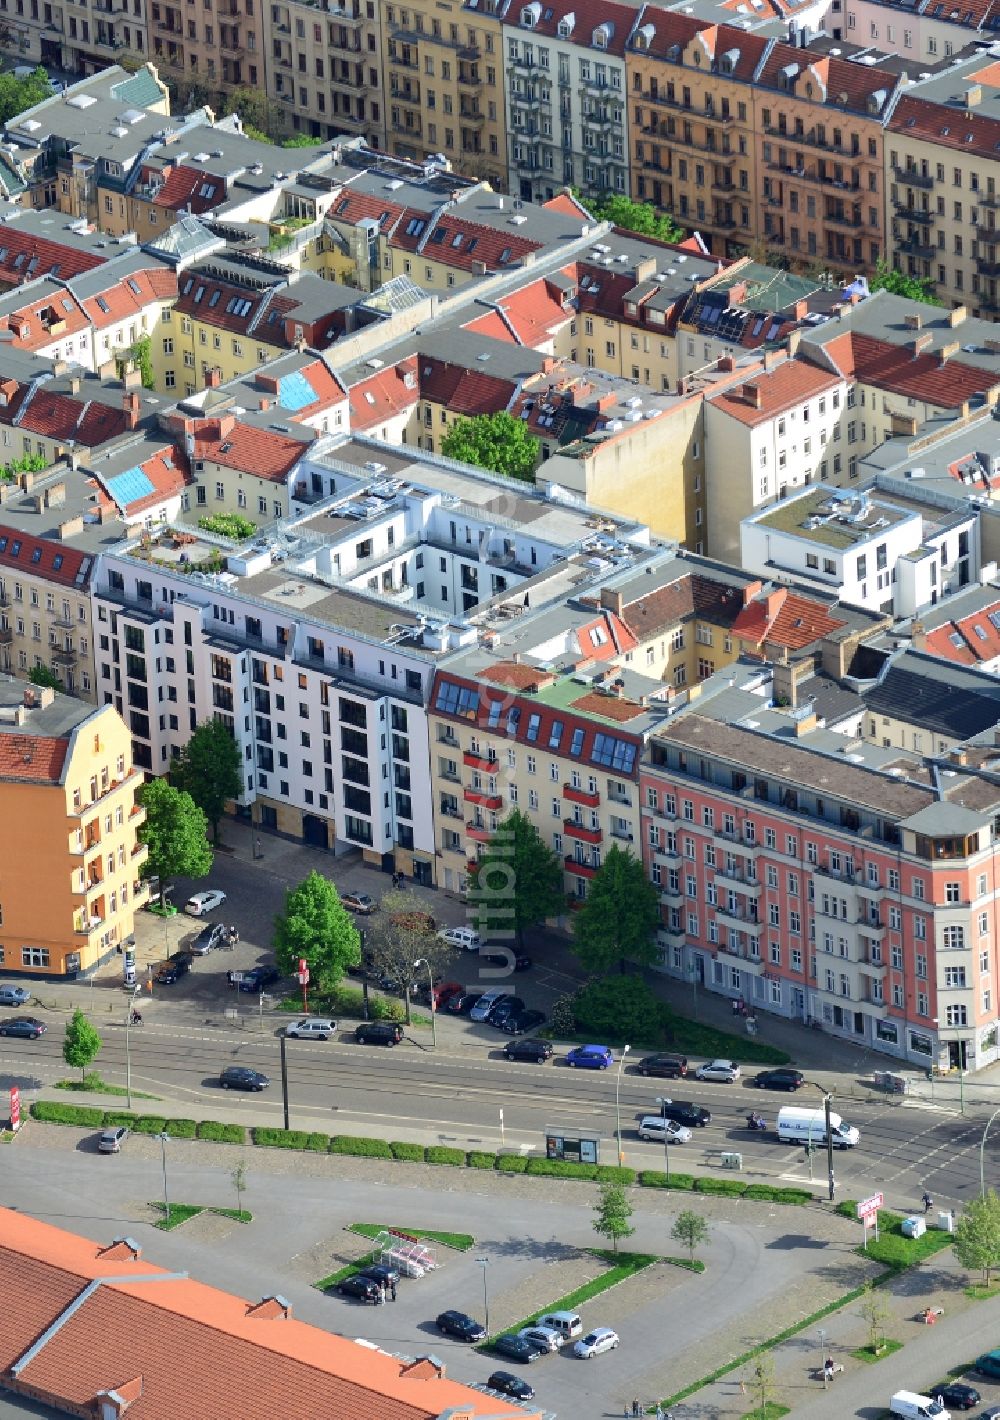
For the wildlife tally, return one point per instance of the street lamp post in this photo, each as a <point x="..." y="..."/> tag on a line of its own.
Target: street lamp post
<point x="484" y="1263"/>
<point x="982" y="1154"/>
<point x="822" y="1357"/>
<point x="663" y="1101"/>
<point x="618" y="1111"/>
<point x="164" y="1139"/>
<point x="128" y="1051"/>
<point x="422" y="961"/>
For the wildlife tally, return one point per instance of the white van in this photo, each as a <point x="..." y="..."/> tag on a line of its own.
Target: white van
<point x="910" y="1406"/>
<point x="567" y="1324"/>
<point x="805" y="1126"/>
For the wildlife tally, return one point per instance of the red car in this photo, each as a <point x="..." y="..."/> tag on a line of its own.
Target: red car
<point x="443" y="993"/>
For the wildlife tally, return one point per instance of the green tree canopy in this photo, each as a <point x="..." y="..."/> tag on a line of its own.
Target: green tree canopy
<point x="618" y="1009"/>
<point x="316" y="925"/>
<point x="41" y="675"/>
<point x="497" y="442"/>
<point x="916" y="288"/>
<point x="977" y="1235"/>
<point x="640" y="217"/>
<point x="396" y="937"/>
<point x="208" y="768"/>
<point x="81" y="1042"/>
<point x="517" y="882"/>
<point x="260" y="117"/>
<point x="16" y="94"/>
<point x="618" y="920"/>
<point x="690" y="1230"/>
<point x="175" y="832"/>
<point x="612" y="1212"/>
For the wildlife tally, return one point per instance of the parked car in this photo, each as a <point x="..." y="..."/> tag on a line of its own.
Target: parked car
<point x="684" y="1112"/>
<point x="988" y="1364"/>
<point x="312" y="1028"/>
<point x="667" y="1067"/>
<point x="658" y="1128"/>
<point x="359" y="902"/>
<point x="242" y="1077"/>
<point x="537" y="1051"/>
<point x="381" y="1273"/>
<point x="203" y="902"/>
<point x="517" y="1348"/>
<point x="522" y="1022"/>
<point x="515" y="960"/>
<point x="457" y="1324"/>
<point x="462" y="937"/>
<point x="485" y="1004"/>
<point x="443" y="992"/>
<point x="257" y="978"/>
<point x="208" y="939"/>
<point x="544" y="1336"/>
<point x="110" y="1141"/>
<point x="602" y="1338"/>
<point x="171" y="972"/>
<point x="362" y="1289"/>
<point x="779" y="1080"/>
<point x="14" y="996"/>
<point x="725" y="1072"/>
<point x="379" y="1033"/>
<point x="590" y="1057"/>
<point x="958" y="1395"/>
<point x="507" y="1384"/>
<point x="503" y="1009"/>
<point x="462" y="1005"/>
<point x="26" y="1026"/>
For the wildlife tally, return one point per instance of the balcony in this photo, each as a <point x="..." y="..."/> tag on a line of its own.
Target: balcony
<point x="581" y="831"/>
<point x="906" y="213"/>
<point x="65" y="655"/>
<point x="479" y="761"/>
<point x="6" y="635"/>
<point x="133" y="778"/>
<point x="581" y="796"/>
<point x="582" y="870"/>
<point x="663" y="854"/>
<point x="448" y="737"/>
<point x="139" y="854"/>
<point x="749" y="882"/>
<point x="471" y="115"/>
<point x="915" y="246"/>
<point x="913" y="177"/>
<point x="485" y="801"/>
<point x="873" y="930"/>
<point x="987" y="268"/>
<point x="478" y="832"/>
<point x="816" y="176"/>
<point x="671" y="895"/>
<point x="748" y="962"/>
<point x="137" y="815"/>
<point x="739" y="917"/>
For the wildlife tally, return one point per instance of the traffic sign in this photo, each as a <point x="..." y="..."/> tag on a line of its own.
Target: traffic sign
<point x="304" y="977"/>
<point x="870" y="1205"/>
<point x="15" y="1108"/>
<point x="303" y="965"/>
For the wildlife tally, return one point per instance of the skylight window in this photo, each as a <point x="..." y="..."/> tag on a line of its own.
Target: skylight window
<point x="103" y="305"/>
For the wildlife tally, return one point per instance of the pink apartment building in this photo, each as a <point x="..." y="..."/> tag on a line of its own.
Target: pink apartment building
<point x="856" y="889"/>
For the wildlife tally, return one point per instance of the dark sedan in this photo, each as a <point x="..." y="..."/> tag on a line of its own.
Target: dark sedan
<point x="506" y="1007"/>
<point x="462" y="1005"/>
<point x="537" y="1051"/>
<point x="258" y="978"/>
<point x="958" y="1395"/>
<point x="362" y="1289"/>
<point x="514" y="960"/>
<point x="242" y="1077"/>
<point x="518" y="1348"/>
<point x="779" y="1080"/>
<point x="171" y="972"/>
<point x="667" y="1067"/>
<point x="510" y="1385"/>
<point x="522" y="1022"/>
<point x="27" y="1026"/>
<point x="381" y="1273"/>
<point x="462" y="1327"/>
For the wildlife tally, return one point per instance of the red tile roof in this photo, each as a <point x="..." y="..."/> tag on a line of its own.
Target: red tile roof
<point x="786" y="619"/>
<point x="461" y="390"/>
<point x="383" y="395"/>
<point x="492" y="325"/>
<point x="456" y="241"/>
<point x="690" y="596"/>
<point x="517" y="676"/>
<point x="241" y="310"/>
<point x="531" y="316"/>
<point x="46" y="320"/>
<point x="671" y="28"/>
<point x="129" y="295"/>
<point x="185" y="187"/>
<point x="261" y="452"/>
<point x="838" y="83"/>
<point x="167" y="472"/>
<point x="24" y="256"/>
<point x="943" y="127"/>
<point x="566" y="205"/>
<point x="604" y="638"/>
<point x="947" y="384"/>
<point x="608" y="707"/>
<point x="64" y="417"/>
<point x="351" y="207"/>
<point x="588" y="16"/>
<point x="32" y="759"/>
<point x="971" y="641"/>
<point x="767" y="395"/>
<point x="54" y="561"/>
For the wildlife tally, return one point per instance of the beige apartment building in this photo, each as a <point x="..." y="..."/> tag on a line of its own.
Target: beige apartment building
<point x="79" y="39"/>
<point x="325" y="64"/>
<point x="217" y="45"/>
<point x="443" y="84"/>
<point x="45" y="617"/>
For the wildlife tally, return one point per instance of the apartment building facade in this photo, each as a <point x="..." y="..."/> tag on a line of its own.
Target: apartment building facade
<point x="80" y="40"/>
<point x="324" y="65"/>
<point x="219" y="47"/>
<point x="45" y="610"/>
<point x="71" y="884"/>
<point x="564" y="75"/>
<point x="443" y="85"/>
<point x="822" y="889"/>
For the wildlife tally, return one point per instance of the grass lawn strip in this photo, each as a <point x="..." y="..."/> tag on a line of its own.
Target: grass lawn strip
<point x="772" y="1411"/>
<point x="866" y="1354"/>
<point x="980" y="1292"/>
<point x="622" y="1266"/>
<point x="94" y="1085"/>
<point x="184" y="1212"/>
<point x="461" y="1242"/>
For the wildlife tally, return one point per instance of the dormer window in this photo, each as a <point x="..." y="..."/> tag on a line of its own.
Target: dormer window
<point x="565" y="26"/>
<point x="602" y="36"/>
<point x="531" y="14"/>
<point x="788" y="76"/>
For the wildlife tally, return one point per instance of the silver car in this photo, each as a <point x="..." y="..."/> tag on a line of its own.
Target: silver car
<point x="655" y="1127"/>
<point x="727" y="1072"/>
<point x="312" y="1028"/>
<point x="110" y="1141"/>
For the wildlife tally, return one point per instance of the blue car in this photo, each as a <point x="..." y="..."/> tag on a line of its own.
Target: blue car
<point x="989" y="1364"/>
<point x="591" y="1057"/>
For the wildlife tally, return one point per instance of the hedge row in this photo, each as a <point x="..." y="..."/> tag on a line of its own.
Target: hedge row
<point x="303" y="1141"/>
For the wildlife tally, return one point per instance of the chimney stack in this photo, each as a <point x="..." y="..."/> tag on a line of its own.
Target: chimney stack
<point x="131" y="404"/>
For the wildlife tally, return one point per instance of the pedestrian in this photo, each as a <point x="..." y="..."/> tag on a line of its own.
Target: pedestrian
<point x="381" y="1295"/>
<point x="928" y="1202"/>
<point x="736" y="1007"/>
<point x="258" y="851"/>
<point x="659" y="1411"/>
<point x="743" y="1386"/>
<point x="392" y="1285"/>
<point x="636" y="1407"/>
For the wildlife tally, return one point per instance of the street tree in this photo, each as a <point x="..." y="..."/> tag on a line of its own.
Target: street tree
<point x="640" y="217"/>
<point x="209" y="769"/>
<point x="612" y="1212"/>
<point x="315" y="925"/>
<point x="690" y="1230"/>
<point x="876" y="1312"/>
<point x="497" y="442"/>
<point x="915" y="288"/>
<point x="260" y="117"/>
<point x="517" y="882"/>
<point x="618" y="1008"/>
<point x="239" y="1182"/>
<point x="81" y="1042"/>
<point x="176" y="834"/>
<point x="619" y="918"/>
<point x="760" y="1383"/>
<point x="977" y="1235"/>
<point x="398" y="935"/>
<point x="16" y="94"/>
<point x="41" y="675"/>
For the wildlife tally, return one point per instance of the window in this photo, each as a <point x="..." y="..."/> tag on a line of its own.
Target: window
<point x="953" y="938"/>
<point x="951" y="892"/>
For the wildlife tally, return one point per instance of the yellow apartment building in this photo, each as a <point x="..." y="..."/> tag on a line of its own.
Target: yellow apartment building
<point x="444" y="85"/>
<point x="45" y="617"/>
<point x="71" y="859"/>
